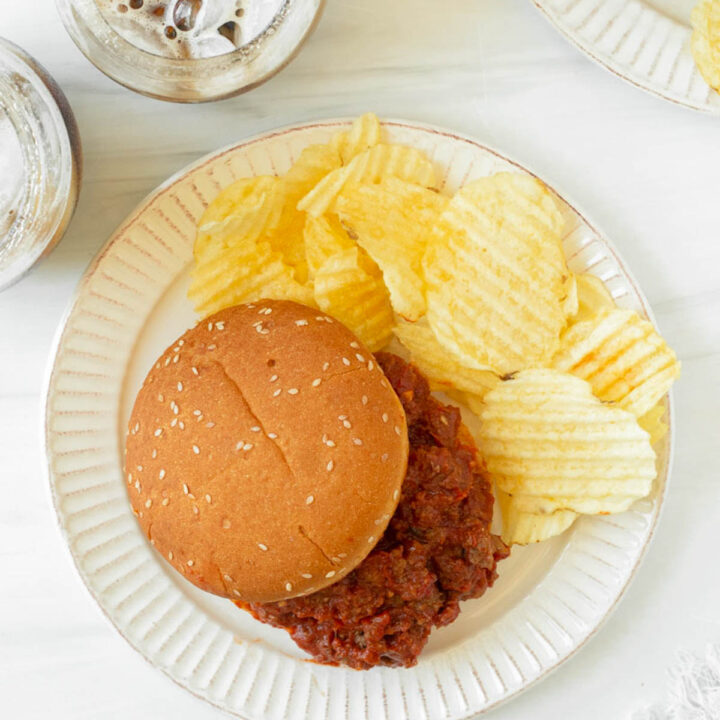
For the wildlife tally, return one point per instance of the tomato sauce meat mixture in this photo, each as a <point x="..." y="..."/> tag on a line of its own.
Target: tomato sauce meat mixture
<point x="437" y="550"/>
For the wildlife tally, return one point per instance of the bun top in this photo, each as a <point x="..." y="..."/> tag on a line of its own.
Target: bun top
<point x="265" y="452"/>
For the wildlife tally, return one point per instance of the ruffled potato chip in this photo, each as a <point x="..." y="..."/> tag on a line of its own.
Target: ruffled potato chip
<point x="364" y="134"/>
<point x="349" y="287"/>
<point x="324" y="237"/>
<point x="524" y="528"/>
<point x="592" y="296"/>
<point x="623" y="358"/>
<point x="497" y="281"/>
<point x="371" y="166"/>
<point x="705" y="42"/>
<point x="389" y="220"/>
<point x="543" y="433"/>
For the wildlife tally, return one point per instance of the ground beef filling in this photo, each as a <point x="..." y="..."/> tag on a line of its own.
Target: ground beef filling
<point x="437" y="550"/>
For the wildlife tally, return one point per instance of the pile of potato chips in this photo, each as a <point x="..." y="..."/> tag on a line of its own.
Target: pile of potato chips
<point x="568" y="387"/>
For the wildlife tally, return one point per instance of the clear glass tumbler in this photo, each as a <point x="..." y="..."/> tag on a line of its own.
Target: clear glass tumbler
<point x="190" y="78"/>
<point x="40" y="163"/>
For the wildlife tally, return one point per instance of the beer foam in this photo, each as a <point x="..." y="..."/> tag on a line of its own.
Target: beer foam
<point x="189" y="28"/>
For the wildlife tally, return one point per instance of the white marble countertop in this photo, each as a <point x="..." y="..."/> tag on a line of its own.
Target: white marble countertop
<point x="646" y="171"/>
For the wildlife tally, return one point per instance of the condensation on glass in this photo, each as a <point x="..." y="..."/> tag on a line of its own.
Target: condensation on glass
<point x="40" y="163"/>
<point x="189" y="50"/>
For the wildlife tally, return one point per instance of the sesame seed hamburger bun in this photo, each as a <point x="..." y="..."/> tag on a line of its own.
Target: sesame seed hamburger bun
<point x="265" y="452"/>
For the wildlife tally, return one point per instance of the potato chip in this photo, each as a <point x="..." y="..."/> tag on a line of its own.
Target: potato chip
<point x="540" y="505"/>
<point x="570" y="301"/>
<point x="324" y="237"/>
<point x="364" y="134"/>
<point x="245" y="210"/>
<point x="705" y="43"/>
<point x="653" y="424"/>
<point x="442" y="370"/>
<point x="496" y="277"/>
<point x="288" y="238"/>
<point x="371" y="166"/>
<point x="389" y="220"/>
<point x="243" y="273"/>
<point x="592" y="296"/>
<point x="622" y="357"/>
<point x="524" y="528"/>
<point x="544" y="433"/>
<point x="349" y="287"/>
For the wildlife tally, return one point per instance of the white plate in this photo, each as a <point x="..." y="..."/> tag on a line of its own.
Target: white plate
<point x="129" y="306"/>
<point x="646" y="42"/>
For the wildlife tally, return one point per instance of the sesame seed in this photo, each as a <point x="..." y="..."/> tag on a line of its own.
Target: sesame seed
<point x="288" y="586"/>
<point x="309" y="500"/>
<point x="179" y="387"/>
<point x="239" y="446"/>
<point x="247" y="446"/>
<point x="154" y="453"/>
<point x="161" y="397"/>
<point x="359" y="357"/>
<point x="137" y="485"/>
<point x="335" y="559"/>
<point x="364" y="399"/>
<point x="371" y="365"/>
<point x="397" y="430"/>
<point x="277" y="392"/>
<point x="226" y="524"/>
<point x="182" y="425"/>
<point x="167" y="361"/>
<point x="330" y="466"/>
<point x="196" y="509"/>
<point x="384" y="457"/>
<point x="330" y="443"/>
<point x="166" y="501"/>
<point x="355" y="345"/>
<point x="342" y="555"/>
<point x="190" y="563"/>
<point x="385" y="417"/>
<point x="307" y="576"/>
<point x="342" y="417"/>
<point x="196" y="449"/>
<point x="185" y="488"/>
<point x="272" y="436"/>
<point x="176" y="358"/>
<point x="170" y="555"/>
<point x="210" y="425"/>
<point x="300" y="323"/>
<point x="255" y="428"/>
<point x="158" y="432"/>
<point x="129" y="478"/>
<point x="396" y="494"/>
<point x="378" y="521"/>
<point x="357" y="441"/>
<point x="210" y="326"/>
<point x="330" y="574"/>
<point x="227" y="578"/>
<point x="211" y="347"/>
<point x="176" y="410"/>
<point x="262" y="546"/>
<point x="236" y="592"/>
<point x="273" y="378"/>
<point x="345" y="361"/>
<point x="195" y="370"/>
<point x="140" y="468"/>
<point x="161" y="474"/>
<point x="293" y="391"/>
<point x="346" y="423"/>
<point x="197" y="412"/>
<point x="208" y="498"/>
<point x="326" y="365"/>
<point x="148" y="503"/>
<point x="371" y="539"/>
<point x="220" y="325"/>
<point x="173" y="422"/>
<point x="181" y="343"/>
<point x="316" y="382"/>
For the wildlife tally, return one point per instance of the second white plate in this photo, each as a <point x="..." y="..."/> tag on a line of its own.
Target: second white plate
<point x="130" y="304"/>
<point x="646" y="42"/>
